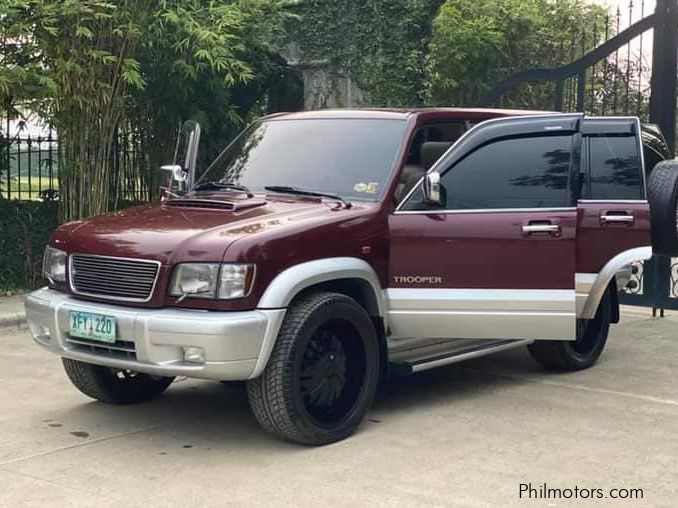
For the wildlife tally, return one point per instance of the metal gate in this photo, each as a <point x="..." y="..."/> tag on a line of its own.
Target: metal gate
<point x="610" y="80"/>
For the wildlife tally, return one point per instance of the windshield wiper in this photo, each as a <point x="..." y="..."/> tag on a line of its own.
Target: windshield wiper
<point x="303" y="192"/>
<point x="223" y="185"/>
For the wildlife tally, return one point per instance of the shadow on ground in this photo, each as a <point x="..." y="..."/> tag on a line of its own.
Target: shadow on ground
<point x="213" y="413"/>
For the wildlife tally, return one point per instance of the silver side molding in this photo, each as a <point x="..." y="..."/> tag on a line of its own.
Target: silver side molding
<point x="290" y="282"/>
<point x="517" y="314"/>
<point x="583" y="282"/>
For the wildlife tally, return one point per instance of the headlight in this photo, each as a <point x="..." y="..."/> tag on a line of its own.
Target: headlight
<point x="54" y="265"/>
<point x="197" y="280"/>
<point x="206" y="280"/>
<point x="235" y="281"/>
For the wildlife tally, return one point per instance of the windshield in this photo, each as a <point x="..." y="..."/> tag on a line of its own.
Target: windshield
<point x="348" y="157"/>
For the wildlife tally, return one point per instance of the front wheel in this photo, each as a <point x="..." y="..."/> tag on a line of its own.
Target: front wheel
<point x="114" y="386"/>
<point x="322" y="374"/>
<point x="583" y="352"/>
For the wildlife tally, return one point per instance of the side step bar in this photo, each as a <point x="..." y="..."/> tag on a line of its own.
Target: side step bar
<point x="406" y="367"/>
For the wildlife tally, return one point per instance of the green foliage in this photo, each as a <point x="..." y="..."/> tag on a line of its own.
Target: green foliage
<point x="24" y="230"/>
<point x="210" y="61"/>
<point x="382" y="44"/>
<point x="415" y="52"/>
<point x="477" y="44"/>
<point x="92" y="66"/>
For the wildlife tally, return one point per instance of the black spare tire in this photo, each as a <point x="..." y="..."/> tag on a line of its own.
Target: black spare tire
<point x="663" y="196"/>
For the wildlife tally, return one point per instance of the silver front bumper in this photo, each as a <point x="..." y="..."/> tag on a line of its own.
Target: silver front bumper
<point x="152" y="340"/>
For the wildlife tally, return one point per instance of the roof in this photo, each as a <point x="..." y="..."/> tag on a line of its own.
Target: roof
<point x="404" y="113"/>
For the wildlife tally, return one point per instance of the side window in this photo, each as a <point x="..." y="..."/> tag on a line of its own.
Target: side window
<point x="614" y="168"/>
<point x="531" y="172"/>
<point x="429" y="143"/>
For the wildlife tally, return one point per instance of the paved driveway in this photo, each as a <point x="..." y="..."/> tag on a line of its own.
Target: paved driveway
<point x="465" y="435"/>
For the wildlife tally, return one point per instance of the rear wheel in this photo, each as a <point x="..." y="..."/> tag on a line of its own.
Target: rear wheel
<point x="585" y="351"/>
<point x="322" y="374"/>
<point x="114" y="386"/>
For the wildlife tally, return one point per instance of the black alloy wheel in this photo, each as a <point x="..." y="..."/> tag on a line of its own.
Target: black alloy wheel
<point x="332" y="372"/>
<point x="322" y="374"/>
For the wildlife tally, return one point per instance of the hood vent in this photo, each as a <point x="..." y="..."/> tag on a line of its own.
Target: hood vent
<point x="201" y="203"/>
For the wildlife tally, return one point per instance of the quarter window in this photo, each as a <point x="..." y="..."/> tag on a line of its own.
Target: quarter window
<point x="614" y="168"/>
<point x="530" y="172"/>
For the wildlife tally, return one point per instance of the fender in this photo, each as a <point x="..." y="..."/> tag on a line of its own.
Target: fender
<point x="289" y="283"/>
<point x="603" y="278"/>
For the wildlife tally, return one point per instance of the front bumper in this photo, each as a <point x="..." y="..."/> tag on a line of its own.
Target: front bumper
<point x="152" y="340"/>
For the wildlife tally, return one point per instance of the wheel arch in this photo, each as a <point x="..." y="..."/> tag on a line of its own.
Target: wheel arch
<point x="358" y="289"/>
<point x="350" y="276"/>
<point x="606" y="277"/>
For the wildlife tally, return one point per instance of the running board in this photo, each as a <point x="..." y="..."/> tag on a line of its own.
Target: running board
<point x="406" y="367"/>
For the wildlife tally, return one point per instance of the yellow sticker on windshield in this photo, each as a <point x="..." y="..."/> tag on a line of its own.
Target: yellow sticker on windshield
<point x="366" y="188"/>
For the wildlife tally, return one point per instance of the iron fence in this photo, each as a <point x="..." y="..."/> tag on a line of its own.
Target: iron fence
<point x="618" y="76"/>
<point x="30" y="168"/>
<point x="29" y="165"/>
<point x="618" y="66"/>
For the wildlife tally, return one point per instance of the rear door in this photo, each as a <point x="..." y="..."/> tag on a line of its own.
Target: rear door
<point x="613" y="212"/>
<point x="497" y="259"/>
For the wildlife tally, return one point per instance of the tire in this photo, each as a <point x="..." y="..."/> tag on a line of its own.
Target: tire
<point x="663" y="197"/>
<point x="585" y="351"/>
<point x="322" y="374"/>
<point x="114" y="386"/>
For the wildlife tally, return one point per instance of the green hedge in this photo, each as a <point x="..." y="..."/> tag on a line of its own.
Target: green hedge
<point x="25" y="227"/>
<point x="24" y="230"/>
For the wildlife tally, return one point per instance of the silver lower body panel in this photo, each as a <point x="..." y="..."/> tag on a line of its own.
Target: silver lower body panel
<point x="152" y="340"/>
<point x="483" y="313"/>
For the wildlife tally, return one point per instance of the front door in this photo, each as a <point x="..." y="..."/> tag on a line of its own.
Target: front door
<point x="497" y="259"/>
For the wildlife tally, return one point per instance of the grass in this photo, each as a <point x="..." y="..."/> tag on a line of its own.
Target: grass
<point x="27" y="189"/>
<point x="20" y="187"/>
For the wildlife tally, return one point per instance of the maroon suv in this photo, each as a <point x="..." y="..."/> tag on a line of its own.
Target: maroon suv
<point x="321" y="251"/>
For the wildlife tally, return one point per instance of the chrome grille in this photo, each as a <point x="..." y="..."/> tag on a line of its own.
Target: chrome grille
<point x="124" y="279"/>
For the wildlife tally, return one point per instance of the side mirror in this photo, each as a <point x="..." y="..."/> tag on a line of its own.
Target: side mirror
<point x="172" y="180"/>
<point x="179" y="176"/>
<point x="432" y="187"/>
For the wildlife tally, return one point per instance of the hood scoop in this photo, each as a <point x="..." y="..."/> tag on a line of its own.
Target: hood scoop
<point x="213" y="204"/>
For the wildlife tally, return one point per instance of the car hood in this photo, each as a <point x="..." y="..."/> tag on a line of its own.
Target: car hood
<point x="193" y="229"/>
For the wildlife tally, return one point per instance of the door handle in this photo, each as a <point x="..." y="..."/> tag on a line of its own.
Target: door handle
<point x="541" y="228"/>
<point x="617" y="217"/>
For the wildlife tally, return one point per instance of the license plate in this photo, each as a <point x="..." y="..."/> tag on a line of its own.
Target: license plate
<point x="86" y="325"/>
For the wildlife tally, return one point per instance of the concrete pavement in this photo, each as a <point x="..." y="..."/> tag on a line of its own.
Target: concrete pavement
<point x="12" y="314"/>
<point x="465" y="435"/>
